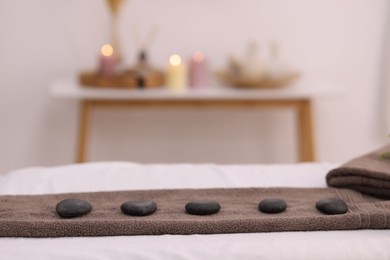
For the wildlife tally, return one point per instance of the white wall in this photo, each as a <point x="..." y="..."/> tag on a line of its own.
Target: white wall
<point x="339" y="41"/>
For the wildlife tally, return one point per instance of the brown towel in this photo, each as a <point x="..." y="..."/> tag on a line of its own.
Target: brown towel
<point x="35" y="216"/>
<point x="369" y="174"/>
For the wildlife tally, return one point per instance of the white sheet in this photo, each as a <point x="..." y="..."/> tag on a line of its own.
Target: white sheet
<point x="361" y="244"/>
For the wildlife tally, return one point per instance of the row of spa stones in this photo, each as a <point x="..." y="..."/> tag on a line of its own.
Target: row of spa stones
<point x="70" y="208"/>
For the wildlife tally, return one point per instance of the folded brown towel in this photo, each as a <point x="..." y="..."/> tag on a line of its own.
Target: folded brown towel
<point x="369" y="174"/>
<point x="35" y="216"/>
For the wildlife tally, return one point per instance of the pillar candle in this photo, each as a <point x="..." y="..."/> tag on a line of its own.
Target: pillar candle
<point x="198" y="70"/>
<point x="108" y="61"/>
<point x="176" y="75"/>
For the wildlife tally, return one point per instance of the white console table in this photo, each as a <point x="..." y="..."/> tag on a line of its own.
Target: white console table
<point x="298" y="98"/>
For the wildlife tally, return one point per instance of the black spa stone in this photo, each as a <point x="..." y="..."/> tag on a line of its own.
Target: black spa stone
<point x="139" y="208"/>
<point x="272" y="206"/>
<point x="332" y="206"/>
<point x="71" y="208"/>
<point x="202" y="207"/>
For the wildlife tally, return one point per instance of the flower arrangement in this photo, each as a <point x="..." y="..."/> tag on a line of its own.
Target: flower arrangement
<point x="386" y="155"/>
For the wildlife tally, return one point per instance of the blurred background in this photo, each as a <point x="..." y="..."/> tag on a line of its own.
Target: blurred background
<point x="340" y="42"/>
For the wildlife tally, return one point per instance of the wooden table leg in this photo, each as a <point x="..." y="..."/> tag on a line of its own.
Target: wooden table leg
<point x="83" y="131"/>
<point x="305" y="132"/>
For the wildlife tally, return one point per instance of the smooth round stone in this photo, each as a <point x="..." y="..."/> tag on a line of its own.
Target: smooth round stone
<point x="71" y="208"/>
<point x="202" y="207"/>
<point x="332" y="206"/>
<point x="139" y="207"/>
<point x="272" y="206"/>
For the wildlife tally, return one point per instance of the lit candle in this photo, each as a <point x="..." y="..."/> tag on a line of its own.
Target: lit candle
<point x="176" y="76"/>
<point x="198" y="71"/>
<point x="108" y="61"/>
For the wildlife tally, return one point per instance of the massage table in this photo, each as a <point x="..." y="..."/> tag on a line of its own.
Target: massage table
<point x="127" y="176"/>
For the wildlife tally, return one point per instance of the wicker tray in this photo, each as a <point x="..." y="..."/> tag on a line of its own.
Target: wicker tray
<point x="244" y="82"/>
<point x="128" y="79"/>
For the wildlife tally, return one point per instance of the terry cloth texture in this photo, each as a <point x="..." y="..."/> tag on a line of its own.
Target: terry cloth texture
<point x="35" y="216"/>
<point x="369" y="174"/>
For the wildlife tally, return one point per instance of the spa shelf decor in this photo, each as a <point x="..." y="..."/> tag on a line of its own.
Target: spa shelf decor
<point x="253" y="71"/>
<point x="110" y="75"/>
<point x="111" y="72"/>
<point x="142" y="75"/>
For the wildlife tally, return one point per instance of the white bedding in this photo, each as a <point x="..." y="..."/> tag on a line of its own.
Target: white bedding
<point x="359" y="244"/>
